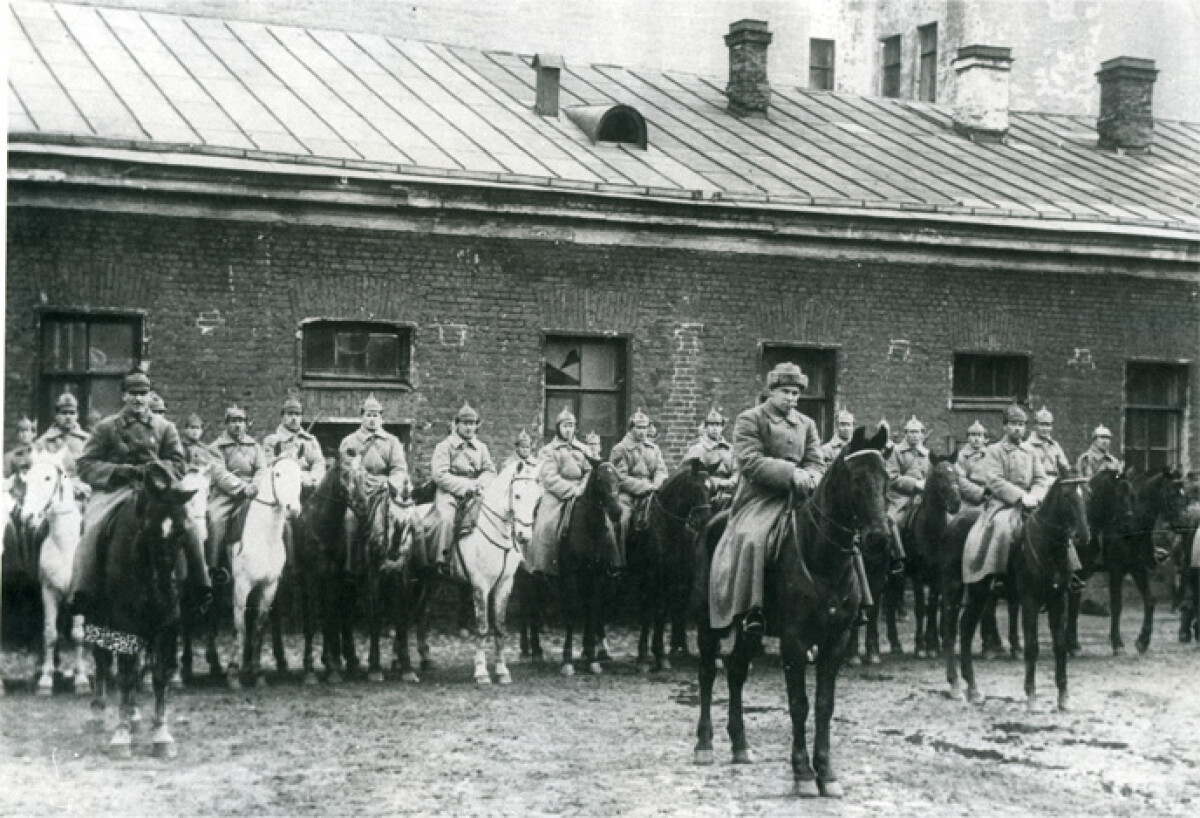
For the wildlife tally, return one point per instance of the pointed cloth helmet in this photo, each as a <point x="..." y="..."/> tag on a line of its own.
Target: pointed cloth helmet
<point x="1043" y="415"/>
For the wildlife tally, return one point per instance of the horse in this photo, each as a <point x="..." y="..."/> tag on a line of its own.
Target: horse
<point x="138" y="610"/>
<point x="1039" y="570"/>
<point x="52" y="517"/>
<point x="326" y="597"/>
<point x="813" y="592"/>
<point x="1187" y="568"/>
<point x="662" y="559"/>
<point x="257" y="560"/>
<point x="1110" y="511"/>
<point x="196" y="510"/>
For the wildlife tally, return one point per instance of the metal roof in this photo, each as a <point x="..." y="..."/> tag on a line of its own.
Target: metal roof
<point x="152" y="81"/>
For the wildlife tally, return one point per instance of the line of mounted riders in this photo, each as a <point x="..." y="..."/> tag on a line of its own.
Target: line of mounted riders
<point x="773" y="533"/>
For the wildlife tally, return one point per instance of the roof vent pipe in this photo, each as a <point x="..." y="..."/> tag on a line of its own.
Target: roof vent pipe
<point x="548" y="68"/>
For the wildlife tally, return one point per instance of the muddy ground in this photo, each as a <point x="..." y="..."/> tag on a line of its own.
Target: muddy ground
<point x="621" y="743"/>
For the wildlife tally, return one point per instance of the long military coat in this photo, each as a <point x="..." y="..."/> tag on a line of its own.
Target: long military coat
<point x="56" y="439"/>
<point x="769" y="448"/>
<point x="563" y="471"/>
<point x="1054" y="459"/>
<point x="907" y="470"/>
<point x="1012" y="470"/>
<point x="972" y="482"/>
<point x="382" y="457"/>
<point x="301" y="447"/>
<point x="457" y="466"/>
<point x="1094" y="460"/>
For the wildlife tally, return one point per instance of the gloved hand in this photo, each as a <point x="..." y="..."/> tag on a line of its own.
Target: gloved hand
<point x="125" y="474"/>
<point x="802" y="482"/>
<point x="1029" y="501"/>
<point x="250" y="491"/>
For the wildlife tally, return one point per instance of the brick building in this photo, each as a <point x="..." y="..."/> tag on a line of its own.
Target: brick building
<point x="259" y="209"/>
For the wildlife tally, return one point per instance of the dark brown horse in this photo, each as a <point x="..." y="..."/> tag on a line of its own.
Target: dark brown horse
<point x="1187" y="576"/>
<point x="812" y="596"/>
<point x="139" y="609"/>
<point x="1039" y="570"/>
<point x="662" y="559"/>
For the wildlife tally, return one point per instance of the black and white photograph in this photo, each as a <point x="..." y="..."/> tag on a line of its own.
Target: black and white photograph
<point x="601" y="408"/>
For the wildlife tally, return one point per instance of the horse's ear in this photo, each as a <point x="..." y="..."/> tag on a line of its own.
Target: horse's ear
<point x="856" y="440"/>
<point x="881" y="439"/>
<point x="697" y="467"/>
<point x="157" y="477"/>
<point x="179" y="495"/>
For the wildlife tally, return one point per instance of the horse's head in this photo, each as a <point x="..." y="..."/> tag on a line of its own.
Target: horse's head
<point x="280" y="485"/>
<point x="1110" y="501"/>
<point x="524" y="493"/>
<point x="1164" y="497"/>
<point x="687" y="495"/>
<point x="942" y="483"/>
<point x="857" y="481"/>
<point x="603" y="488"/>
<point x="1065" y="508"/>
<point x="47" y="487"/>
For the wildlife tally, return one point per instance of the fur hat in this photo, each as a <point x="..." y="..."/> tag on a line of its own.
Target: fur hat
<point x="564" y="416"/>
<point x="157" y="404"/>
<point x="787" y="374"/>
<point x="234" y="412"/>
<point x="715" y="416"/>
<point x="523" y="438"/>
<point x="845" y="416"/>
<point x="1101" y="431"/>
<point x="136" y="382"/>
<point x="292" y="404"/>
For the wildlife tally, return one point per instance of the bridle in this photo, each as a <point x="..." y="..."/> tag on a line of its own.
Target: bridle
<point x="1067" y="532"/>
<point x="510" y="518"/>
<point x="46" y="512"/>
<point x="689" y="521"/>
<point x="814" y="512"/>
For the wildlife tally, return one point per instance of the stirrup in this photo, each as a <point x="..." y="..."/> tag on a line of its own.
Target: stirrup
<point x="219" y="577"/>
<point x="1076" y="583"/>
<point x="754" y="623"/>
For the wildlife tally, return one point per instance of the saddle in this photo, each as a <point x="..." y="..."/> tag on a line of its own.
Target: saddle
<point x="424" y="494"/>
<point x="466" y="516"/>
<point x="639" y="518"/>
<point x="237" y="524"/>
<point x="564" y="521"/>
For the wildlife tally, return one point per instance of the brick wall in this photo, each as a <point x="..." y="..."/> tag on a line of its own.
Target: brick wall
<point x="223" y="302"/>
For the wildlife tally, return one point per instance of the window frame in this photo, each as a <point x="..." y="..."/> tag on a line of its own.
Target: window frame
<point x="623" y="358"/>
<point x="993" y="401"/>
<point x="405" y="333"/>
<point x="890" y="75"/>
<point x="825" y="418"/>
<point x="821" y="77"/>
<point x="927" y="66"/>
<point x="1175" y="413"/>
<point x="53" y="382"/>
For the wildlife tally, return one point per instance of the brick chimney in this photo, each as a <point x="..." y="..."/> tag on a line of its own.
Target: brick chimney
<point x="548" y="68"/>
<point x="748" y="91"/>
<point x="1126" y="103"/>
<point x="981" y="92"/>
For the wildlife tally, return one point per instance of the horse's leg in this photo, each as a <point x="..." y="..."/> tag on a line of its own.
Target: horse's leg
<point x="1116" y="579"/>
<point x="795" y="667"/>
<point x="346" y="620"/>
<point x="1056" y="608"/>
<point x="241" y="598"/>
<point x="951" y="608"/>
<point x="593" y="621"/>
<point x="933" y="629"/>
<point x="374" y="586"/>
<point x="706" y="644"/>
<point x="977" y="596"/>
<point x="1029" y="622"/>
<point x="1014" y="625"/>
<point x="189" y="627"/>
<point x="45" y="683"/>
<point x="828" y="660"/>
<point x="120" y="746"/>
<point x="479" y="596"/>
<point x="79" y="681"/>
<point x="661" y="662"/>
<point x="163" y="654"/>
<point x="893" y="592"/>
<point x="737" y="670"/>
<point x="266" y="603"/>
<point x="501" y="591"/>
<point x="990" y="629"/>
<point x="570" y="602"/>
<point x="1074" y="598"/>
<point x="1141" y="577"/>
<point x="432" y="585"/>
<point x="412" y="595"/>
<point x="539" y="604"/>
<point x="103" y="660"/>
<point x="919" y="637"/>
<point x="285" y="598"/>
<point x="852" y="644"/>
<point x="646" y="614"/>
<point x="871" y="636"/>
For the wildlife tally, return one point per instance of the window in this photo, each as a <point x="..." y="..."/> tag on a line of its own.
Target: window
<point x="587" y="376"/>
<point x="927" y="87"/>
<point x="820" y="365"/>
<point x="356" y="351"/>
<point x="86" y="355"/>
<point x="990" y="379"/>
<point x="820" y="65"/>
<point x="1155" y="399"/>
<point x="890" y="81"/>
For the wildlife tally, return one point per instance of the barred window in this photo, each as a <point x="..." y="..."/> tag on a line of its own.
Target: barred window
<point x="587" y="376"/>
<point x="982" y="379"/>
<point x="820" y="64"/>
<point x="86" y="355"/>
<point x="356" y="350"/>
<point x="1155" y="402"/>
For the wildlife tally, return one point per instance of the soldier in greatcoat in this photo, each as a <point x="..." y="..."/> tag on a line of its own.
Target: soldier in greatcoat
<point x="565" y="466"/>
<point x="197" y="456"/>
<point x="639" y="464"/>
<point x="290" y="440"/>
<point x="1054" y="459"/>
<point x="384" y="464"/>
<point x="523" y="446"/>
<point x="907" y="470"/>
<point x="1097" y="457"/>
<point x="236" y="458"/>
<point x="715" y="454"/>
<point x="65" y="434"/>
<point x="778" y="453"/>
<point x="112" y="464"/>
<point x="972" y="482"/>
<point x="462" y="468"/>
<point x="16" y="459"/>
<point x="1015" y="481"/>
<point x="843" y="430"/>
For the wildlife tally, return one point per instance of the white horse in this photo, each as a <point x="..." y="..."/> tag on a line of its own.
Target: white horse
<point x="258" y="560"/>
<point x="491" y="554"/>
<point x="50" y="506"/>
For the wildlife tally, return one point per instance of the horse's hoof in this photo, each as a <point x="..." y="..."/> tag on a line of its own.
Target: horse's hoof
<point x="135" y="721"/>
<point x="896" y="649"/>
<point x="1031" y="703"/>
<point x="568" y="670"/>
<point x="120" y="750"/>
<point x="464" y="633"/>
<point x="595" y="669"/>
<point x="410" y="677"/>
<point x="538" y="657"/>
<point x="482" y="679"/>
<point x="874" y="659"/>
<point x="664" y="663"/>
<point x="503" y="677"/>
<point x="310" y="679"/>
<point x="333" y="677"/>
<point x="919" y="653"/>
<point x="281" y="664"/>
<point x="956" y="693"/>
<point x="719" y="663"/>
<point x="974" y="696"/>
<point x="743" y="756"/>
<point x="678" y="652"/>
<point x="1143" y="645"/>
<point x="1118" y="650"/>
<point x="375" y="676"/>
<point x="166" y="750"/>
<point x="176" y="682"/>
<point x="703" y="757"/>
<point x="45" y="686"/>
<point x="1064" y="702"/>
<point x="260" y="682"/>
<point x="643" y="666"/>
<point x="830" y="789"/>
<point x="426" y="664"/>
<point x="80" y="685"/>
<point x="233" y="682"/>
<point x="806" y="788"/>
<point x="854" y="661"/>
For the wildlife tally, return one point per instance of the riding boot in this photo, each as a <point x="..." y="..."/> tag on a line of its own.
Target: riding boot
<point x="754" y="623"/>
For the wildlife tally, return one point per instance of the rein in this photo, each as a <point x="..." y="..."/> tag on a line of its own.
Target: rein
<point x="686" y="521"/>
<point x="1034" y="520"/>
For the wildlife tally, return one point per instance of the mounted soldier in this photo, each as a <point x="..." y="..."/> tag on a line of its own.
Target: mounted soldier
<point x="639" y="463"/>
<point x="594" y="444"/>
<point x="384" y="465"/>
<point x="843" y="428"/>
<point x="907" y="469"/>
<point x="715" y="454"/>
<point x="197" y="456"/>
<point x="290" y="440"/>
<point x="157" y="405"/>
<point x="112" y="463"/>
<point x="1054" y="460"/>
<point x="236" y="458"/>
<point x="65" y="434"/>
<point x="462" y="468"/>
<point x="524" y="451"/>
<point x="1016" y="482"/>
<point x="16" y="459"/>
<point x="1097" y="457"/>
<point x="972" y="482"/>
<point x="565" y="466"/>
<point x="779" y="458"/>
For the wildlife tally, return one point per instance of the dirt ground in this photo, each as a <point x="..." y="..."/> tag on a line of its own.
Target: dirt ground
<point x="621" y="743"/>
